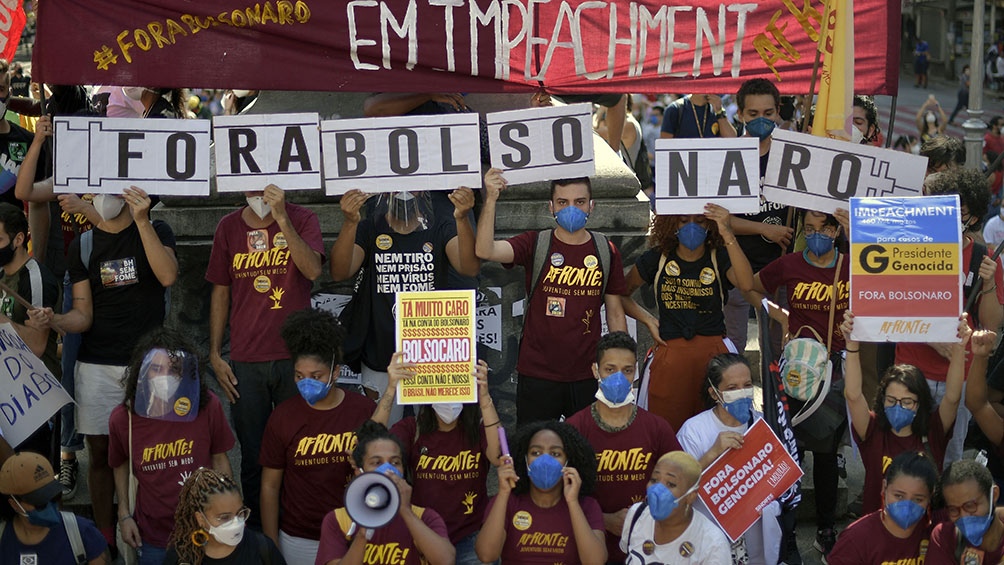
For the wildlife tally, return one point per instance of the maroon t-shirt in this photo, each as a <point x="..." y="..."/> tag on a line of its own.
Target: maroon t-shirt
<point x="312" y="447"/>
<point x="932" y="364"/>
<point x="624" y="461"/>
<point x="392" y="543"/>
<point x="164" y="454"/>
<point x="880" y="447"/>
<point x="450" y="476"/>
<point x="867" y="541"/>
<point x="810" y="291"/>
<point x="265" y="285"/>
<point x="943" y="543"/>
<point x="564" y="312"/>
<point x="543" y="535"/>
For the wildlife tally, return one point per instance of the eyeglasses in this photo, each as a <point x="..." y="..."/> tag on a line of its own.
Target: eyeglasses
<point x="908" y="403"/>
<point x="243" y="514"/>
<point x="830" y="231"/>
<point x="970" y="507"/>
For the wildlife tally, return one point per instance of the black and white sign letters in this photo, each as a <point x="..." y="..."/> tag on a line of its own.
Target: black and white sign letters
<point x="438" y="152"/>
<point x="690" y="173"/>
<point x="256" y="150"/>
<point x="542" y="143"/>
<point x="819" y="173"/>
<point x="108" y="155"/>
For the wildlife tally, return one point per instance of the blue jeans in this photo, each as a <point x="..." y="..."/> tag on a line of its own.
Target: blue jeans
<point x="262" y="386"/>
<point x="69" y="440"/>
<point x="151" y="555"/>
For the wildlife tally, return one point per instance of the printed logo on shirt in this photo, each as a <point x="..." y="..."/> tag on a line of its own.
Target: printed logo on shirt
<point x="556" y="306"/>
<point x="590" y="261"/>
<point x="257" y="241"/>
<point x="465" y="461"/>
<point x="542" y="542"/>
<point x="316" y="449"/>
<point x="568" y="275"/>
<point x="252" y="264"/>
<point x="29" y="559"/>
<point x="468" y="502"/>
<point x="276" y="298"/>
<point x="707" y="275"/>
<point x="119" y="272"/>
<point x="818" y="295"/>
<point x="169" y="454"/>
<point x="384" y="242"/>
<point x="673" y="269"/>
<point x="279" y="240"/>
<point x="614" y="465"/>
<point x="404" y="272"/>
<point x="386" y="553"/>
<point x="7" y="305"/>
<point x="262" y="284"/>
<point x="886" y="460"/>
<point x="557" y="259"/>
<point x="686" y="549"/>
<point x="17" y="150"/>
<point x="522" y="520"/>
<point x="427" y="247"/>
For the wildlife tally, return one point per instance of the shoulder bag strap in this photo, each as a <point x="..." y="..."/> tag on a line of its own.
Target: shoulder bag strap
<point x="833" y="302"/>
<point x="602" y="245"/>
<point x="718" y="276"/>
<point x="655" y="281"/>
<point x="73" y="534"/>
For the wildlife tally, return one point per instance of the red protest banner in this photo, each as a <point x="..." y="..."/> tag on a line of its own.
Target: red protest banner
<point x="566" y="46"/>
<point x="12" y="20"/>
<point x="740" y="483"/>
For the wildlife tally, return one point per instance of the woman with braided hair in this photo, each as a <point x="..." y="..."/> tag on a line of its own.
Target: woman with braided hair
<point x="209" y="526"/>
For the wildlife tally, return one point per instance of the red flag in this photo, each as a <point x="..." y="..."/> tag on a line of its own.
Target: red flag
<point x="12" y="21"/>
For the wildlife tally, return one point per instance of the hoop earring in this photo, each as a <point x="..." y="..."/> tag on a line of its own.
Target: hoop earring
<point x="200" y="537"/>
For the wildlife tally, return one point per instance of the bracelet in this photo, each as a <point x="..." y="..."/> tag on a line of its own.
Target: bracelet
<point x="852" y="350"/>
<point x="730" y="243"/>
<point x="720" y="115"/>
<point x="497" y="422"/>
<point x="126" y="517"/>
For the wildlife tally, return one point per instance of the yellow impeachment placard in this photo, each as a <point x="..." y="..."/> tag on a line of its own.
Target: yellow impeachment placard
<point x="436" y="330"/>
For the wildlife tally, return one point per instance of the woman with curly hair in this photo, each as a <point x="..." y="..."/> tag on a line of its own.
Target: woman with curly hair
<point x="304" y="451"/>
<point x="209" y="526"/>
<point x="168" y="426"/>
<point x="693" y="263"/>
<point x="543" y="511"/>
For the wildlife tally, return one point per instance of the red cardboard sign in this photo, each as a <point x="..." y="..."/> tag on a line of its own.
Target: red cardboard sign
<point x="740" y="483"/>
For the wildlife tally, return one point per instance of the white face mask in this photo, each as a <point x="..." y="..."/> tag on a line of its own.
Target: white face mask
<point x="734" y="395"/>
<point x="241" y="93"/>
<point x="448" y="413"/>
<point x="931" y="118"/>
<point x="108" y="206"/>
<point x="257" y="204"/>
<point x="856" y="135"/>
<point x="229" y="533"/>
<point x="629" y="399"/>
<point x="134" y="92"/>
<point x="164" y="386"/>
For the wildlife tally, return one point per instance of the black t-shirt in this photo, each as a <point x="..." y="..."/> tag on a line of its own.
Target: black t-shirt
<point x="127" y="298"/>
<point x="759" y="250"/>
<point x="19" y="85"/>
<point x="396" y="263"/>
<point x="47" y="288"/>
<point x="690" y="297"/>
<point x="250" y="551"/>
<point x="13" y="147"/>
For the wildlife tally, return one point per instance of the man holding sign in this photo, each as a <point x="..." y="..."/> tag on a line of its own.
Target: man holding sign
<point x="583" y="272"/>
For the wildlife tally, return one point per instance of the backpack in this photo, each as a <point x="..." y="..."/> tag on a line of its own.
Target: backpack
<point x="542" y="251"/>
<point x="72" y="534"/>
<point x="642" y="165"/>
<point x="978" y="252"/>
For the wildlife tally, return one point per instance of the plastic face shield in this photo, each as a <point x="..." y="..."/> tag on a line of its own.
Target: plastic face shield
<point x="168" y="386"/>
<point x="406" y="212"/>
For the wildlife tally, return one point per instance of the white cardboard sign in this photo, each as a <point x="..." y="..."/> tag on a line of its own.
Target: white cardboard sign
<point x="256" y="150"/>
<point x="690" y="173"/>
<point x="542" y="143"/>
<point x="31" y="394"/>
<point x="818" y="173"/>
<point x="440" y="152"/>
<point x="108" y="155"/>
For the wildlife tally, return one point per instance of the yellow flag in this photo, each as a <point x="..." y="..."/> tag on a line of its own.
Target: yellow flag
<point x="835" y="105"/>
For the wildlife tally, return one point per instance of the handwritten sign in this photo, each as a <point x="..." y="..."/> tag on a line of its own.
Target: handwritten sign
<point x="542" y="143"/>
<point x="438" y="152"/>
<point x="256" y="150"/>
<point x="906" y="275"/>
<point x="690" y="173"/>
<point x="818" y="173"/>
<point x="435" y="329"/>
<point x="108" y="155"/>
<point x="741" y="482"/>
<point x="31" y="393"/>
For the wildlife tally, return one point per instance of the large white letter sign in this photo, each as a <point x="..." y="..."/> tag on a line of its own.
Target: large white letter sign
<point x="542" y="143"/>
<point x="108" y="155"/>
<point x="690" y="173"/>
<point x="438" y="152"/>
<point x="256" y="150"/>
<point x="818" y="173"/>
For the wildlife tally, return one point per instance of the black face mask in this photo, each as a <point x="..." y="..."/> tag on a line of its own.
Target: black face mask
<point x="6" y="254"/>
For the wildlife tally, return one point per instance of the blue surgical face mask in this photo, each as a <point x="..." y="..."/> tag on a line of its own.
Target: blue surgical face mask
<point x="615" y="389"/>
<point x="692" y="235"/>
<point x="905" y="513"/>
<point x="818" y="244"/>
<point x="313" y="390"/>
<point x="761" y="127"/>
<point x="662" y="501"/>
<point x="545" y="472"/>
<point x="974" y="527"/>
<point x="384" y="467"/>
<point x="44" y="517"/>
<point x="571" y="218"/>
<point x="899" y="417"/>
<point x="738" y="403"/>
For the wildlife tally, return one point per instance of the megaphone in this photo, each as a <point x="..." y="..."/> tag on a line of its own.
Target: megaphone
<point x="372" y="500"/>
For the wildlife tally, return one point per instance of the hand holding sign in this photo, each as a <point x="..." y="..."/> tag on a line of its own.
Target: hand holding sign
<point x="275" y="197"/>
<point x="463" y="202"/>
<point x="351" y="203"/>
<point x="720" y="216"/>
<point x="43" y="129"/>
<point x="139" y="203"/>
<point x="495" y="183"/>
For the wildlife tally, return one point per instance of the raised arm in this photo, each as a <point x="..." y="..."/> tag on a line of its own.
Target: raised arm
<point x="26" y="188"/>
<point x="955" y="379"/>
<point x="485" y="245"/>
<point x="990" y="309"/>
<point x="779" y="234"/>
<point x="590" y="543"/>
<point x="436" y="549"/>
<point x="857" y="404"/>
<point x="489" y="416"/>
<point x="346" y="256"/>
<point x="741" y="273"/>
<point x="307" y="261"/>
<point x="397" y="370"/>
<point x="460" y="249"/>
<point x="161" y="257"/>
<point x="977" y="400"/>
<point x="400" y="103"/>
